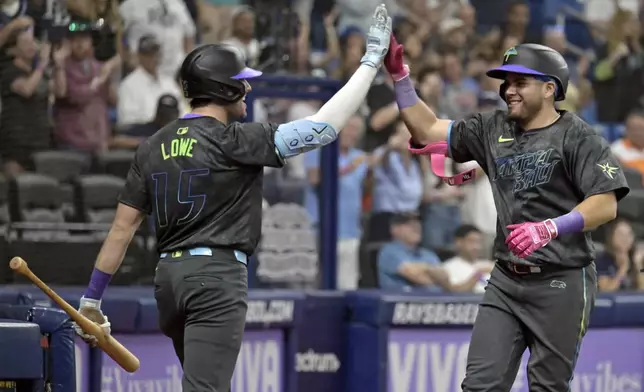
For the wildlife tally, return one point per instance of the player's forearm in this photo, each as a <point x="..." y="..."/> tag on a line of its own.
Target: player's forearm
<point x="299" y="136"/>
<point x="346" y="102"/>
<point x="597" y="210"/>
<point x="109" y="260"/>
<point x="418" y="117"/>
<point x="588" y="215"/>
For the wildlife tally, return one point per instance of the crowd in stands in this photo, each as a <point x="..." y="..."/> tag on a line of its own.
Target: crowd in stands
<point x="95" y="76"/>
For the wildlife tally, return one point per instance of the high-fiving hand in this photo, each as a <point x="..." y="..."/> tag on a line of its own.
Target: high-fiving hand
<point x="377" y="38"/>
<point x="395" y="62"/>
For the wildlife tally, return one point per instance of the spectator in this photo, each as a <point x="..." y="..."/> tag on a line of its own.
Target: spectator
<point x="140" y="91"/>
<point x="630" y="148"/>
<point x="461" y="92"/>
<point x="453" y="38"/>
<point x="430" y="86"/>
<point x="243" y="35"/>
<point x="167" y="109"/>
<point x="215" y="18"/>
<point x="618" y="267"/>
<point x="104" y="16"/>
<point x="441" y="209"/>
<point x="353" y="164"/>
<point x="478" y="208"/>
<point x="358" y="13"/>
<point x="516" y="24"/>
<point x="13" y="18"/>
<point x="467" y="13"/>
<point x="81" y="113"/>
<point x="619" y="71"/>
<point x="403" y="265"/>
<point x="383" y="113"/>
<point x="25" y="126"/>
<point x="352" y="43"/>
<point x="467" y="271"/>
<point x="398" y="184"/>
<point x="168" y="20"/>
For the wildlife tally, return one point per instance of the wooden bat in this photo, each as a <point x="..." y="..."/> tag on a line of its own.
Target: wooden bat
<point x="121" y="355"/>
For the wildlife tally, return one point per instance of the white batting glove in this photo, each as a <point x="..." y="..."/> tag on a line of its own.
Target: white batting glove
<point x="378" y="38"/>
<point x="91" y="308"/>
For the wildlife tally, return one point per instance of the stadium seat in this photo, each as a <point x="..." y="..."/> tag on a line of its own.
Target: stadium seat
<point x="115" y="162"/>
<point x="61" y="165"/>
<point x="97" y="197"/>
<point x="35" y="198"/>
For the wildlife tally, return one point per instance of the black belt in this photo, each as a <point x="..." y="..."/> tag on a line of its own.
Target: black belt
<point x="522" y="269"/>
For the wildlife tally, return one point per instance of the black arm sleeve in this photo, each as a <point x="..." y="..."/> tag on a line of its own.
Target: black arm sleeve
<point x="251" y="144"/>
<point x="136" y="194"/>
<point x="466" y="140"/>
<point x="594" y="168"/>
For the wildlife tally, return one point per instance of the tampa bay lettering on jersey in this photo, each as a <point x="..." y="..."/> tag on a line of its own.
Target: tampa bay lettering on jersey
<point x="527" y="170"/>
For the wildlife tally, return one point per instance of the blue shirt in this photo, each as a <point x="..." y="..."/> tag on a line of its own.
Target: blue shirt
<point x="349" y="197"/>
<point x="397" y="188"/>
<point x="392" y="256"/>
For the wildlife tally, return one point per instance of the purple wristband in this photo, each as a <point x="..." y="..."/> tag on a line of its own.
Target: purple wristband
<point x="572" y="222"/>
<point x="405" y="93"/>
<point x="97" y="284"/>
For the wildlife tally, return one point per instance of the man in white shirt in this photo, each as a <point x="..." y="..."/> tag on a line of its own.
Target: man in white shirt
<point x="139" y="92"/>
<point x="466" y="271"/>
<point x="243" y="35"/>
<point x="169" y="21"/>
<point x="478" y="208"/>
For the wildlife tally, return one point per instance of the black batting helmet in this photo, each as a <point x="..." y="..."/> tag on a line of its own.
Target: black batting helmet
<point x="215" y="72"/>
<point x="536" y="60"/>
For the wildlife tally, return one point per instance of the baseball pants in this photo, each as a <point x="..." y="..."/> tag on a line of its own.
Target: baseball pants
<point x="202" y="308"/>
<point x="546" y="312"/>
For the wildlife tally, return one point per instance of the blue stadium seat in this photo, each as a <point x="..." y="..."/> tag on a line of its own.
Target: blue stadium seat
<point x="21" y="357"/>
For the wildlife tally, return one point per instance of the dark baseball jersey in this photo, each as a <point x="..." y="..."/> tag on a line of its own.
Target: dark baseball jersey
<point x="202" y="182"/>
<point x="539" y="174"/>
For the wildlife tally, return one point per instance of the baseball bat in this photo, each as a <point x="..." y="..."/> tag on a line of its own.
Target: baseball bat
<point x="121" y="355"/>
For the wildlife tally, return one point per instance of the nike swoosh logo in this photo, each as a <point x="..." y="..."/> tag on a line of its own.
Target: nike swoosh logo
<point x="503" y="140"/>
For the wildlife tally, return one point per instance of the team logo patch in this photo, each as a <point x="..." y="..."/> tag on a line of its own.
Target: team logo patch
<point x="608" y="170"/>
<point x="508" y="53"/>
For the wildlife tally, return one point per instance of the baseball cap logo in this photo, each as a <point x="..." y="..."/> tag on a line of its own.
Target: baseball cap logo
<point x="508" y="53"/>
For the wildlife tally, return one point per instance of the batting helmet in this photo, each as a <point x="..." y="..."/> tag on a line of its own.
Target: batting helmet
<point x="215" y="72"/>
<point x="536" y="60"/>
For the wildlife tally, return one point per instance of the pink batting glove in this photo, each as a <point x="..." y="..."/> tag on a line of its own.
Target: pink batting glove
<point x="527" y="237"/>
<point x="394" y="60"/>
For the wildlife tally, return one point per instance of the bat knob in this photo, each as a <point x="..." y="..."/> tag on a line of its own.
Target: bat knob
<point x="17" y="263"/>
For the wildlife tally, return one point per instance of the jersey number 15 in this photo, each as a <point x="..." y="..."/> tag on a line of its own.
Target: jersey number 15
<point x="185" y="196"/>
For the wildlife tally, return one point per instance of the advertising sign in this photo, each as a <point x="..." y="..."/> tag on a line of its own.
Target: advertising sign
<point x="610" y="360"/>
<point x="260" y="365"/>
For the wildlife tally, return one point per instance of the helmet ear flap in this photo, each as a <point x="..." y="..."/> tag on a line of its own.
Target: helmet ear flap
<point x="502" y="88"/>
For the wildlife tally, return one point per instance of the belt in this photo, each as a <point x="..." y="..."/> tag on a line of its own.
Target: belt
<point x="521" y="269"/>
<point x="204" y="251"/>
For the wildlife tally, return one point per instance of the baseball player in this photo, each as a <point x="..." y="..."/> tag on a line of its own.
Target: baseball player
<point x="200" y="177"/>
<point x="554" y="180"/>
